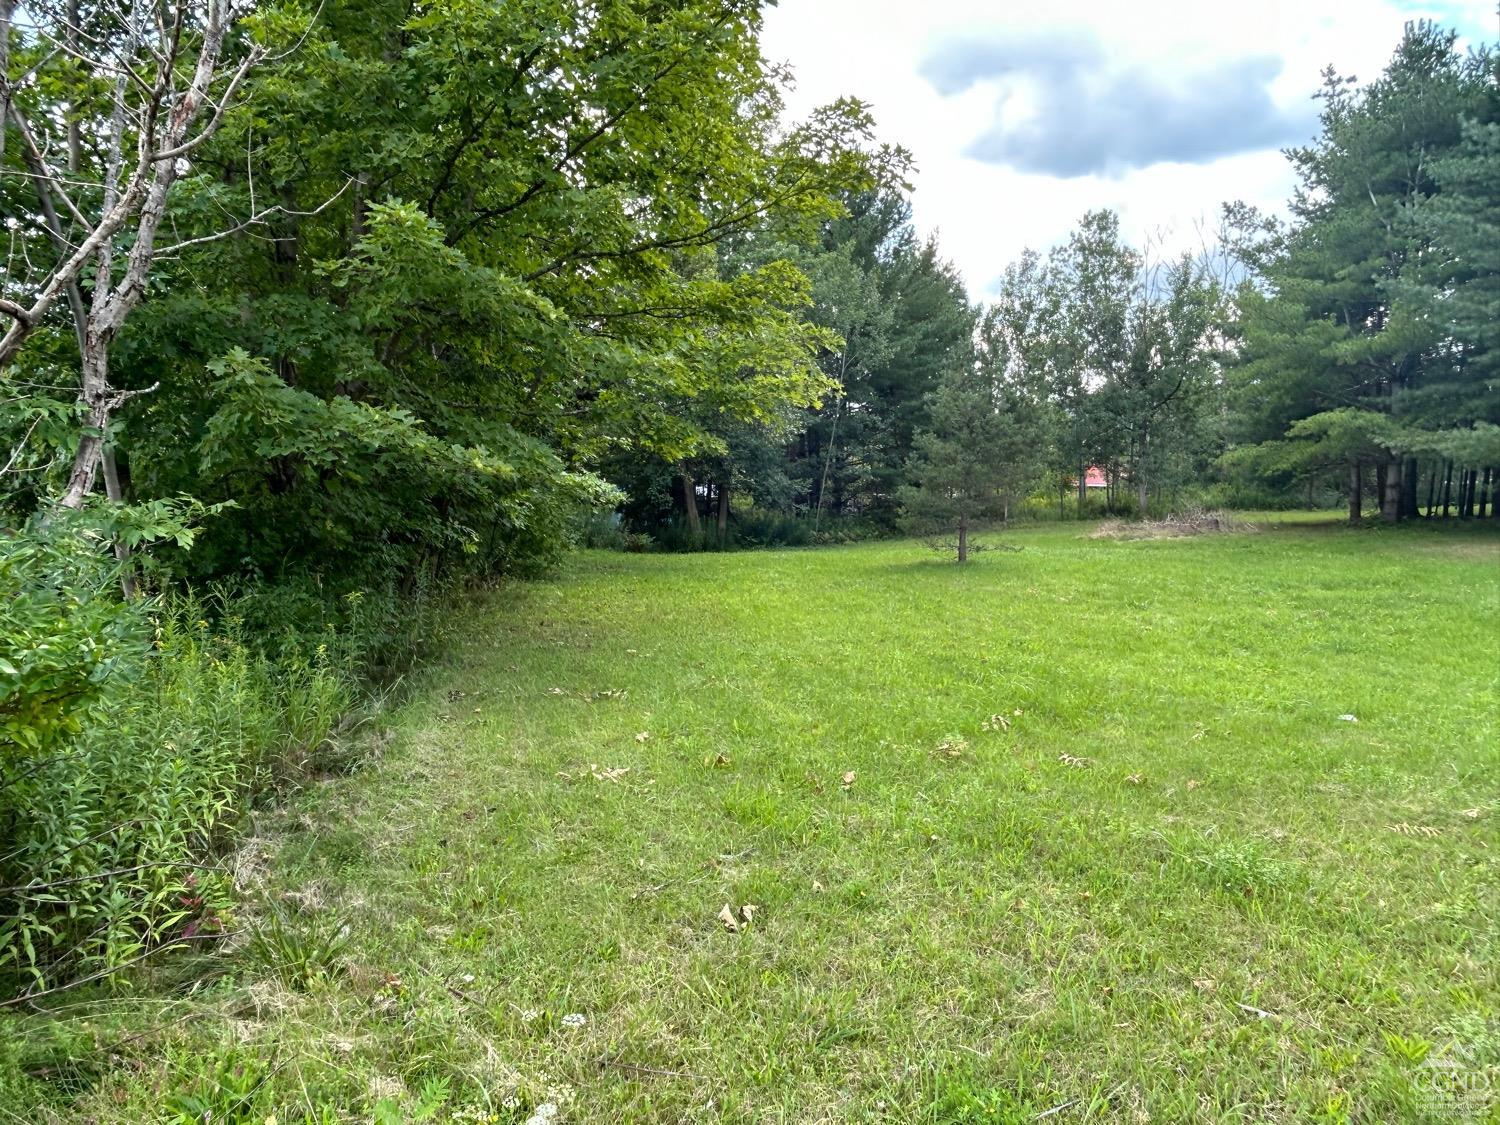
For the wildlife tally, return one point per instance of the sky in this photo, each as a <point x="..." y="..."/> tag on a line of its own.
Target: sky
<point x="1022" y="117"/>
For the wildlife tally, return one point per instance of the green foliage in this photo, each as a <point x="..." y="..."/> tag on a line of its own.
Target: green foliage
<point x="105" y="835"/>
<point x="229" y="1090"/>
<point x="1366" y="343"/>
<point x="422" y="369"/>
<point x="977" y="452"/>
<point x="300" y="948"/>
<point x="66" y="642"/>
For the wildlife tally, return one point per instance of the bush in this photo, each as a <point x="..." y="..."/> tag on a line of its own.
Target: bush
<point x="65" y="637"/>
<point x="106" y="839"/>
<point x="133" y="734"/>
<point x="676" y="537"/>
<point x="600" y="531"/>
<point x="758" y="528"/>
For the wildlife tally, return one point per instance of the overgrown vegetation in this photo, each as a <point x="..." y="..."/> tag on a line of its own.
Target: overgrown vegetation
<point x="136" y="734"/>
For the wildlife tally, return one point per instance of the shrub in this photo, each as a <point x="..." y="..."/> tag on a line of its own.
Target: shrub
<point x="600" y="531"/>
<point x="759" y="528"/>
<point x="133" y="736"/>
<point x="66" y="639"/>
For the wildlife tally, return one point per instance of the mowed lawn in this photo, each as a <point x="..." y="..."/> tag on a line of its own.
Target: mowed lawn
<point x="1180" y="830"/>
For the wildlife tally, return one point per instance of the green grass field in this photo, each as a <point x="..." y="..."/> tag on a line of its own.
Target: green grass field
<point x="1079" y="832"/>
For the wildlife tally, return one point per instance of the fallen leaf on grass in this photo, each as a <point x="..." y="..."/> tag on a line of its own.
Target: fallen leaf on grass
<point x="848" y="780"/>
<point x="735" y="922"/>
<point x="718" y="761"/>
<point x="1077" y="763"/>
<point x="1194" y="783"/>
<point x="995" y="722"/>
<point x="1135" y="778"/>
<point x="1348" y="719"/>
<point x="817" y="887"/>
<point x="642" y="736"/>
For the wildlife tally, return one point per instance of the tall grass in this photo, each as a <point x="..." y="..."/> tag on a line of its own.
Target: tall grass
<point x="110" y="839"/>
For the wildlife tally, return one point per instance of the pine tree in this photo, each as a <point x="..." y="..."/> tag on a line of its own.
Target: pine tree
<point x="1344" y="366"/>
<point x="962" y="464"/>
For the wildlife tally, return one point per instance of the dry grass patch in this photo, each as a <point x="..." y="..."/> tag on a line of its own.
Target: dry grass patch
<point x="1194" y="521"/>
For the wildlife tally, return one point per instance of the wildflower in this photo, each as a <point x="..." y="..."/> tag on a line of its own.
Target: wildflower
<point x="529" y="1014"/>
<point x="574" y="1019"/>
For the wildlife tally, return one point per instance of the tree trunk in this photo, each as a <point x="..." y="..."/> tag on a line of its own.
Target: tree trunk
<point x="1356" y="492"/>
<point x="1466" y="495"/>
<point x="1083" y="489"/>
<point x="1484" y="494"/>
<point x="6" y="8"/>
<point x="833" y="434"/>
<point x="1447" y="488"/>
<point x="1390" y="492"/>
<point x="963" y="539"/>
<point x="1142" y="496"/>
<point x="723" y="512"/>
<point x="1432" y="479"/>
<point x="98" y="404"/>
<point x="1409" y="475"/>
<point x="1310" y="482"/>
<point x="116" y="495"/>
<point x="689" y="500"/>
<point x="75" y="115"/>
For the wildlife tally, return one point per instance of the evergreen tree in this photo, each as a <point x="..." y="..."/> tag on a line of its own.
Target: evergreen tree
<point x="965" y="462"/>
<point x="1361" y="351"/>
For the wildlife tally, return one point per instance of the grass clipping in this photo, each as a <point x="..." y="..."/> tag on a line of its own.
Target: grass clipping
<point x="1193" y="521"/>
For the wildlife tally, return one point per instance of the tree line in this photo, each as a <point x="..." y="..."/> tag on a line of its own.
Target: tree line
<point x="383" y="293"/>
<point x="1346" y="351"/>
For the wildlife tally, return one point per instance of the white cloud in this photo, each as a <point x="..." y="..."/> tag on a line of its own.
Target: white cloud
<point x="986" y="213"/>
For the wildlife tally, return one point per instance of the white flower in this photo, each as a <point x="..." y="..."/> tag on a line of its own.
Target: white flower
<point x="574" y="1019"/>
<point x="543" y="1115"/>
<point x="468" y="978"/>
<point x="529" y="1014"/>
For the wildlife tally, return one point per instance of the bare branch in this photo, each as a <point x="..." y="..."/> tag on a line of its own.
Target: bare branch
<point x="257" y="219"/>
